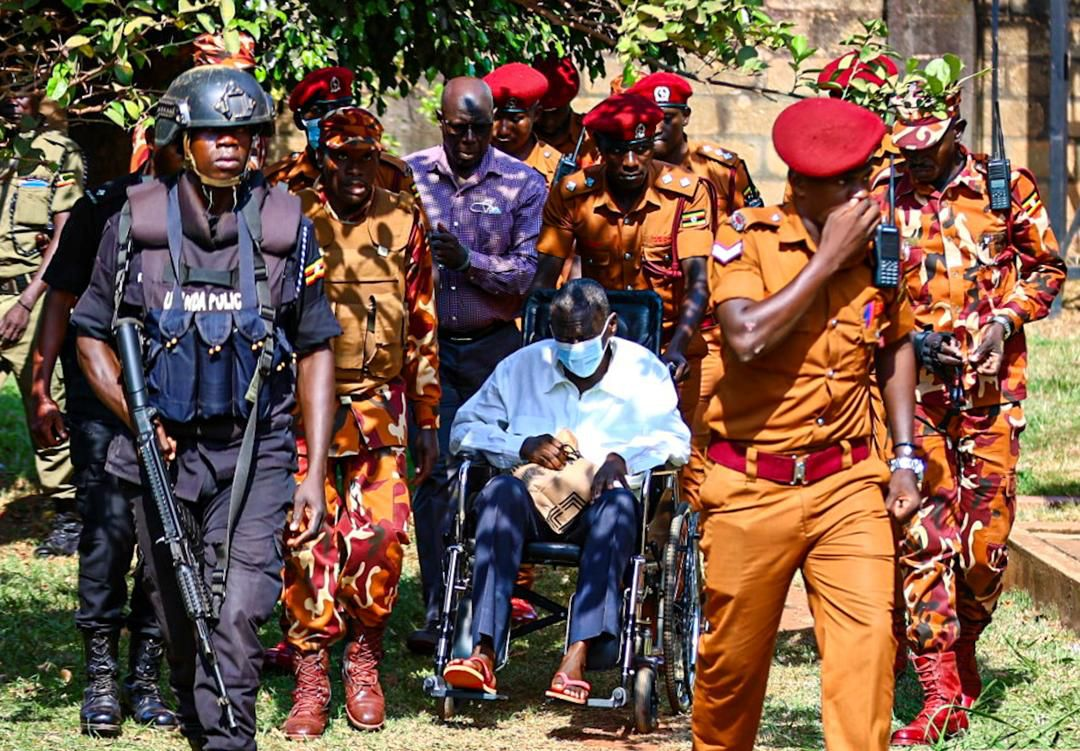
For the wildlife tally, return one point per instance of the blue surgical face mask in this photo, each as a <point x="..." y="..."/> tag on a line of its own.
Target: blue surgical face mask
<point x="583" y="358"/>
<point x="313" y="131"/>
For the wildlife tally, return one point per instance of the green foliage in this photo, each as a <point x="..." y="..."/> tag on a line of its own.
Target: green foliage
<point x="97" y="58"/>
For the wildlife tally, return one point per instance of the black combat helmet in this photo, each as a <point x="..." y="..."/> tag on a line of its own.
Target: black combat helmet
<point x="211" y="96"/>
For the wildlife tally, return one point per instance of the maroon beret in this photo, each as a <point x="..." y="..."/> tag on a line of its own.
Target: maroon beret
<point x="666" y="89"/>
<point x="515" y="86"/>
<point x="322" y="85"/>
<point x="624" y="117"/>
<point x="563" y="81"/>
<point x="824" y="137"/>
<point x="872" y="71"/>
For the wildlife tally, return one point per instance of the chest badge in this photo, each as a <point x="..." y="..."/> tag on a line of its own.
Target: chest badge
<point x="738" y="222"/>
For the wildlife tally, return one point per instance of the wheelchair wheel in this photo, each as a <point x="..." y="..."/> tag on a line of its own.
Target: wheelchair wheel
<point x="682" y="606"/>
<point x="646" y="700"/>
<point x="445" y="708"/>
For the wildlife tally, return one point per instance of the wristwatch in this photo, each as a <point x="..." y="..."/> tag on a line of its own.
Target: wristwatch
<point x="914" y="463"/>
<point x="1006" y="323"/>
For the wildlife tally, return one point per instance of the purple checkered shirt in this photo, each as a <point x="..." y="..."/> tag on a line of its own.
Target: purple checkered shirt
<point x="495" y="213"/>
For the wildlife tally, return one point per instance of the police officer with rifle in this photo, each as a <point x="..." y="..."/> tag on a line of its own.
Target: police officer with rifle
<point x="225" y="278"/>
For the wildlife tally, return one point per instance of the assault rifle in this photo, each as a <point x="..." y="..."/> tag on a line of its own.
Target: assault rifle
<point x="188" y="578"/>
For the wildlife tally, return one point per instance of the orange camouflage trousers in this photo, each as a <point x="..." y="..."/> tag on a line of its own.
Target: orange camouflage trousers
<point x="954" y="550"/>
<point x="349" y="574"/>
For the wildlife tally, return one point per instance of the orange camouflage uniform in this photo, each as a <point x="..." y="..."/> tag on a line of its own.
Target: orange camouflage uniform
<point x="350" y="572"/>
<point x="964" y="265"/>
<point x="642" y="248"/>
<point x="810" y="391"/>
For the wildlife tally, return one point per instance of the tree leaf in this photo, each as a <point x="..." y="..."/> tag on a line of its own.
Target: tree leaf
<point x="115" y="112"/>
<point x="228" y="11"/>
<point x="77" y="40"/>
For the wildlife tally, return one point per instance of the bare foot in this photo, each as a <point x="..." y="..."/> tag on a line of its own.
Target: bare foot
<point x="573" y="664"/>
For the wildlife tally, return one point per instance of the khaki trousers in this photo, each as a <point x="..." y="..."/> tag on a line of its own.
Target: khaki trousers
<point x="756" y="535"/>
<point x="53" y="464"/>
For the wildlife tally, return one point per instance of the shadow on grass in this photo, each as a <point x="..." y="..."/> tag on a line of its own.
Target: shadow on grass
<point x="785" y="726"/>
<point x="25" y="518"/>
<point x="996" y="684"/>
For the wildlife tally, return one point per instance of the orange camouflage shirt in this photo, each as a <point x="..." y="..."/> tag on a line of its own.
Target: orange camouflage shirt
<point x="965" y="264"/>
<point x="365" y="264"/>
<point x="813" y="388"/>
<point x="637" y="249"/>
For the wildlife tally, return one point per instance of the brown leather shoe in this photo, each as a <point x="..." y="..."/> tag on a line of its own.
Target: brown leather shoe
<point x="364" y="703"/>
<point x="311" y="697"/>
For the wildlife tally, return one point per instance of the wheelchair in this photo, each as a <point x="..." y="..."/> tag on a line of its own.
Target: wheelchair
<point x="662" y="602"/>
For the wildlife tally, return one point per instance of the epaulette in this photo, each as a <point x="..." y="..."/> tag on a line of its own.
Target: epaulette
<point x="397" y="163"/>
<point x="746" y="217"/>
<point x="404" y="199"/>
<point x="718" y="154"/>
<point x="580" y="183"/>
<point x="677" y="180"/>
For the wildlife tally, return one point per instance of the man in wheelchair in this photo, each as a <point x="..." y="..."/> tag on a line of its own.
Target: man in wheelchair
<point x="618" y="400"/>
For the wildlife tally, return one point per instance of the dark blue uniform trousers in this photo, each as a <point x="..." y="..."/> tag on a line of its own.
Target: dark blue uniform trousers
<point x="107" y="540"/>
<point x="252" y="589"/>
<point x="606" y="530"/>
<point x="463" y="368"/>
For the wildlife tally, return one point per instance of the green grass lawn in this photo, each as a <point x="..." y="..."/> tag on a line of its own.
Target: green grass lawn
<point x="1031" y="663"/>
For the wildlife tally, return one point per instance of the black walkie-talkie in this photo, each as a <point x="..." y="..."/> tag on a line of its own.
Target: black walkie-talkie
<point x="998" y="171"/>
<point x="887" y="243"/>
<point x="751" y="195"/>
<point x="568" y="163"/>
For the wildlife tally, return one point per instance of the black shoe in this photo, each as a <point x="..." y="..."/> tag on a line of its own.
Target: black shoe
<point x="423" y="640"/>
<point x="63" y="538"/>
<point x="100" y="715"/>
<point x="142" y="695"/>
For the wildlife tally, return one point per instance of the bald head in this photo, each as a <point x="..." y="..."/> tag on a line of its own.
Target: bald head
<point x="467" y="94"/>
<point x="466" y="116"/>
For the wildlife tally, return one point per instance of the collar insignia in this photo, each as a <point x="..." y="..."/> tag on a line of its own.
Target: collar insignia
<point x="666" y="178"/>
<point x="685" y="182"/>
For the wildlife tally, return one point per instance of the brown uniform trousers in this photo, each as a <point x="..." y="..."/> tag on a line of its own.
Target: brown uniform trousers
<point x="808" y="393"/>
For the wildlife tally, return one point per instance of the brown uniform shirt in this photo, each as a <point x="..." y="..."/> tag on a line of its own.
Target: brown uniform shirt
<point x="813" y="388"/>
<point x="725" y="170"/>
<point x="544" y="158"/>
<point x="566" y="141"/>
<point x="637" y="249"/>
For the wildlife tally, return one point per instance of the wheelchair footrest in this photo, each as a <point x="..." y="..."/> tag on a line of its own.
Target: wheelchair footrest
<point x="617" y="699"/>
<point x="437" y="688"/>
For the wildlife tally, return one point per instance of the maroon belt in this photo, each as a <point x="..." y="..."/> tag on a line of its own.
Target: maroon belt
<point x="801" y="469"/>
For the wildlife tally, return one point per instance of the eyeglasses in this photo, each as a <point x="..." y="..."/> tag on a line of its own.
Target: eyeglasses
<point x="461" y="130"/>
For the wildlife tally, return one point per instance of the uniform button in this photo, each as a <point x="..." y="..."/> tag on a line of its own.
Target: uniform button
<point x="629" y="286"/>
<point x="667" y="259"/>
<point x="453" y="288"/>
<point x="455" y="224"/>
<point x="834" y="323"/>
<point x="628" y="256"/>
<point x="831" y="373"/>
<point x="820" y="421"/>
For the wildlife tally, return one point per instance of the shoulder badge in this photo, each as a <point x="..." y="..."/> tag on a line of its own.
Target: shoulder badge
<point x="570" y="185"/>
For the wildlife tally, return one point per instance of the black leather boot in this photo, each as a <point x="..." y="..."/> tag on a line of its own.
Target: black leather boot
<point x="100" y="714"/>
<point x="63" y="537"/>
<point x="142" y="694"/>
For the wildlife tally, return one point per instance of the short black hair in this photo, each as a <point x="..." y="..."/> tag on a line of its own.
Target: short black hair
<point x="581" y="296"/>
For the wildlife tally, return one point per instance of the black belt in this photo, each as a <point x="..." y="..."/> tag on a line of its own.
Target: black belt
<point x="14" y="285"/>
<point x="464" y="337"/>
